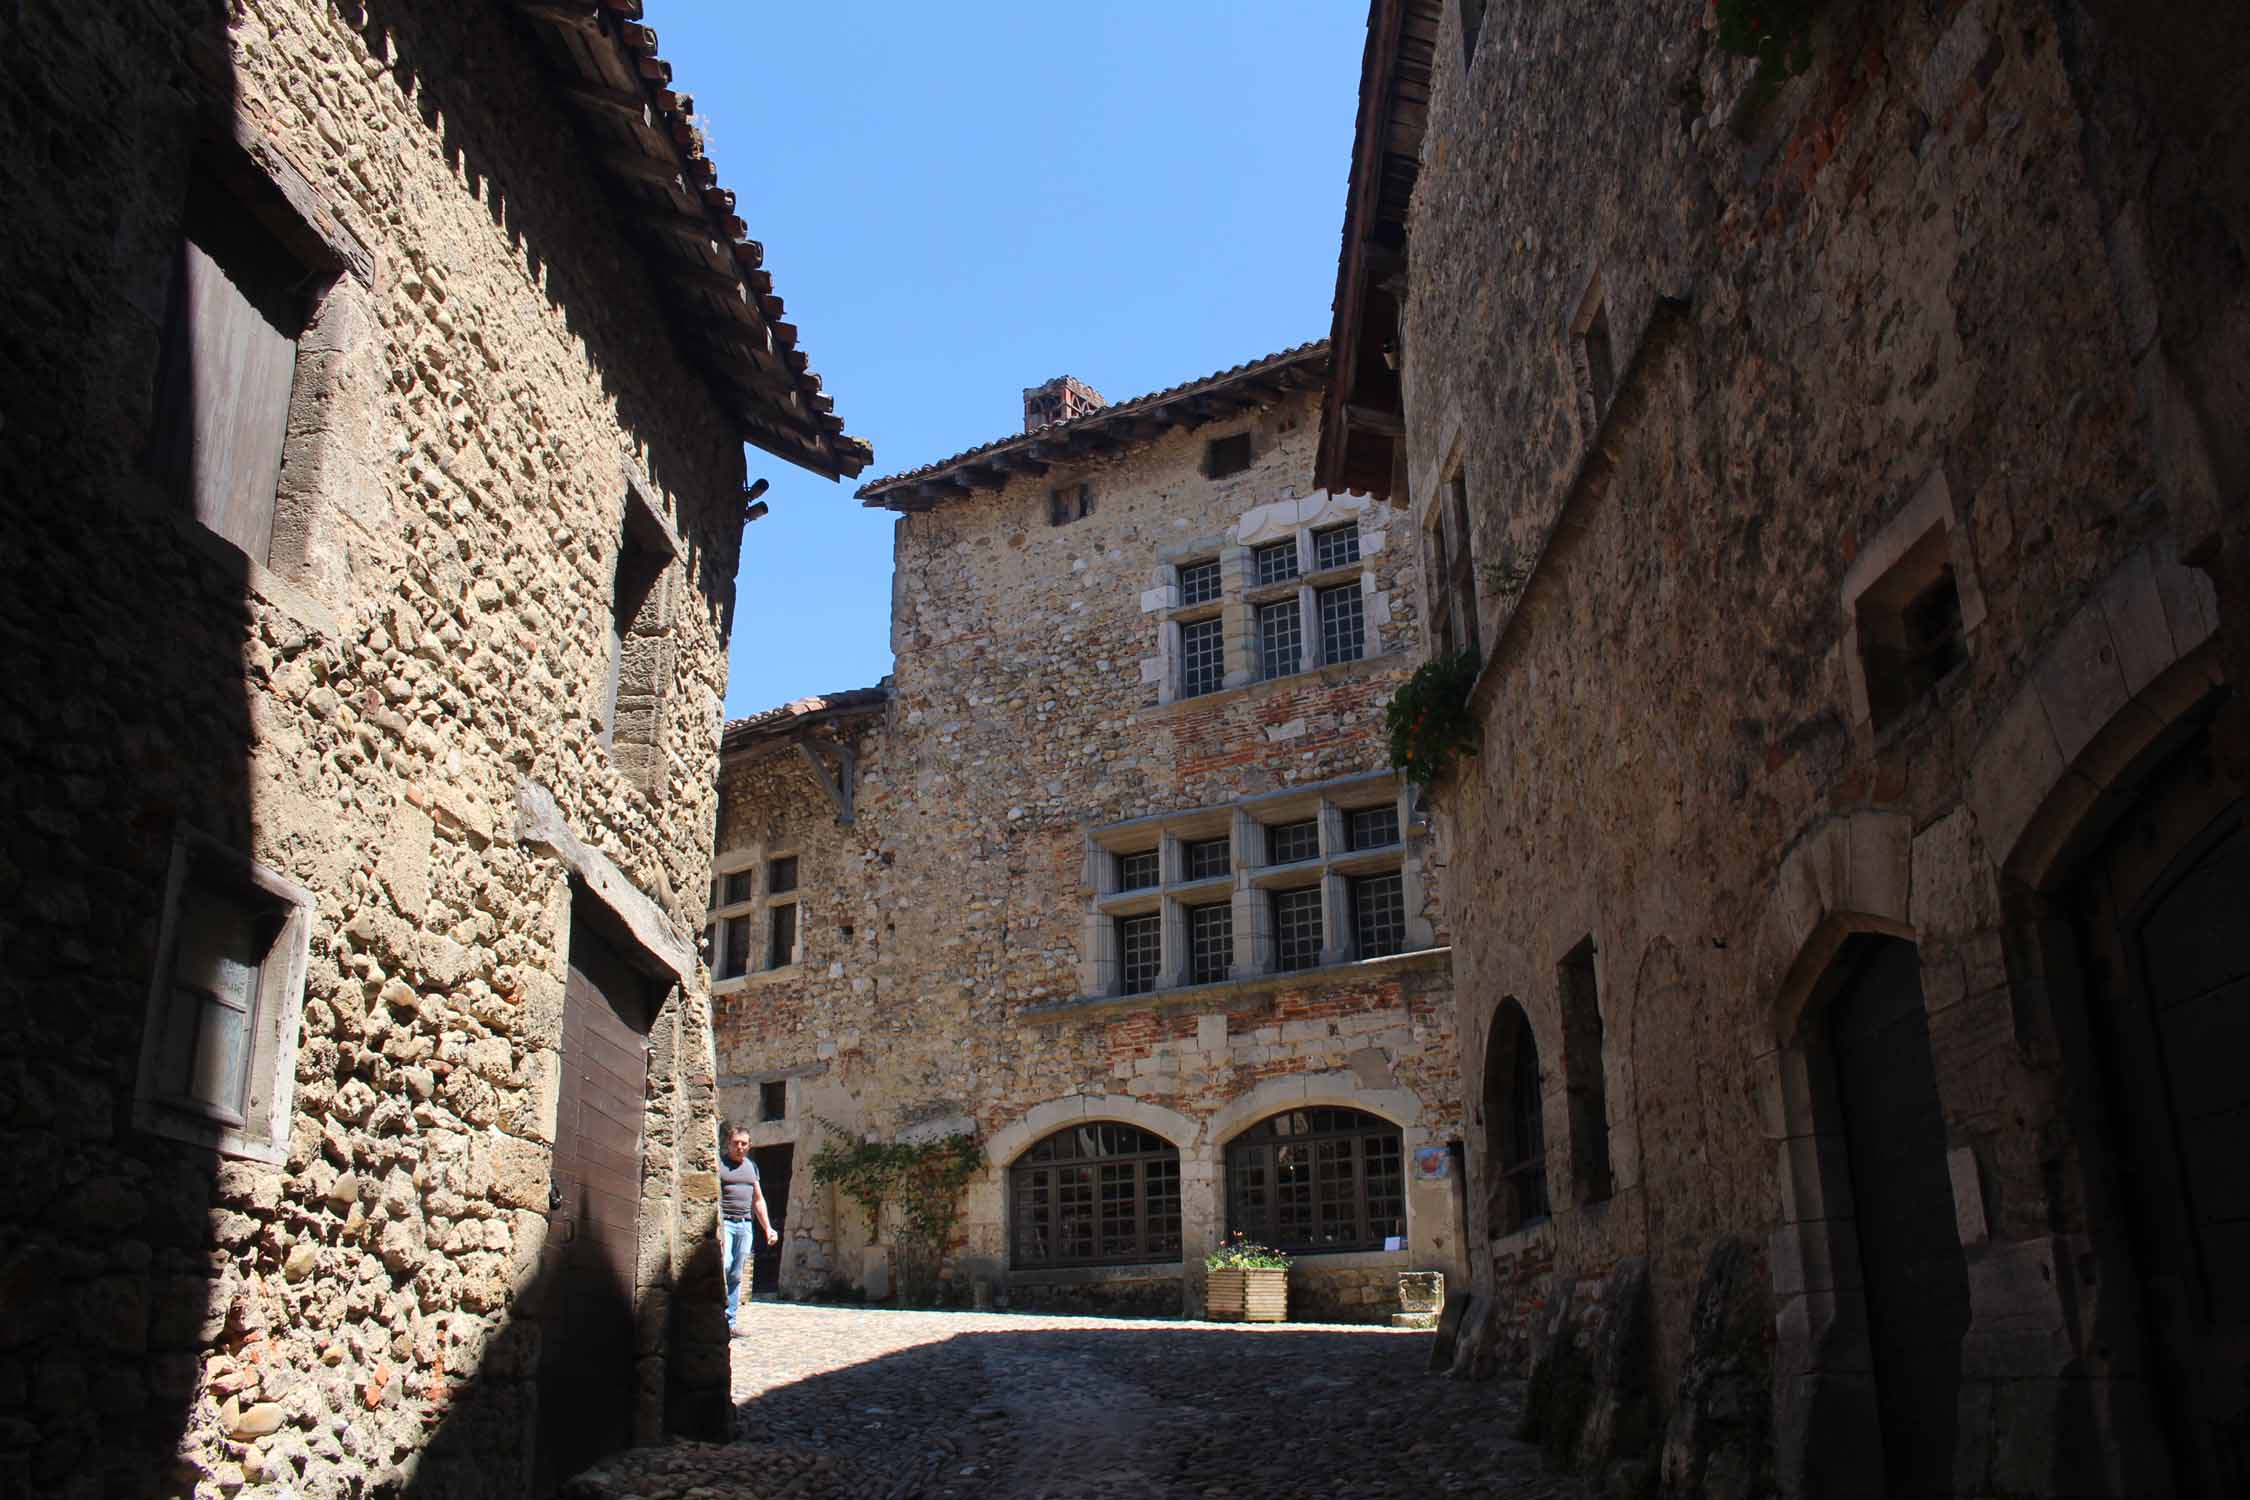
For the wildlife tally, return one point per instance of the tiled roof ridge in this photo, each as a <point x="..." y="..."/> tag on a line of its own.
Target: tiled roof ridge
<point x="781" y="715"/>
<point x="1060" y="431"/>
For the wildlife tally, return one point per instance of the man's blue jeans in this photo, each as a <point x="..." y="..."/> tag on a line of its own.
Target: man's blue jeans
<point x="738" y="1240"/>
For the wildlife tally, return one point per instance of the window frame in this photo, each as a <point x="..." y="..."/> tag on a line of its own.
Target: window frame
<point x="259" y="1129"/>
<point x="729" y="913"/>
<point x="1150" y="1249"/>
<point x="1261" y="1146"/>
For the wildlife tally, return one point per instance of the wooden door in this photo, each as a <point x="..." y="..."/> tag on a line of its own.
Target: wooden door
<point x="1916" y="1283"/>
<point x="588" y="1386"/>
<point x="2165" y="918"/>
<point x="774" y="1164"/>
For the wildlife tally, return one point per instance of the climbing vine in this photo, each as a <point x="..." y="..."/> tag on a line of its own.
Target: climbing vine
<point x="1429" y="717"/>
<point x="924" y="1179"/>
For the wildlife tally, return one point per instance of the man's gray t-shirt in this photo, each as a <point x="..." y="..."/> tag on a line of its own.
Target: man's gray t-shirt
<point x="738" y="1189"/>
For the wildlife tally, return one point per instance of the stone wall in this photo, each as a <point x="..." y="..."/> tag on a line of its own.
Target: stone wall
<point x="947" y="975"/>
<point x="360" y="714"/>
<point x="1881" y="301"/>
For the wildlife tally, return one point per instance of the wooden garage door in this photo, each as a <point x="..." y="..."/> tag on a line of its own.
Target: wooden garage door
<point x="2165" y="912"/>
<point x="1916" y="1283"/>
<point x="587" y="1381"/>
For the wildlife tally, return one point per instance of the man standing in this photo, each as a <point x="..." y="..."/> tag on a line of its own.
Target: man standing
<point x="742" y="1205"/>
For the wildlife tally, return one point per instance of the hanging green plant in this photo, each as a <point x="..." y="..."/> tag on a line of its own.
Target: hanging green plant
<point x="924" y="1179"/>
<point x="1777" y="33"/>
<point x="1429" y="717"/>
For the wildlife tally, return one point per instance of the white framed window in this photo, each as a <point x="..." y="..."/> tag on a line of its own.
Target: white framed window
<point x="1267" y="609"/>
<point x="219" y="1047"/>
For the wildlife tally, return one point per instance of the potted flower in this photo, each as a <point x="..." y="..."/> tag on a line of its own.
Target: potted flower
<point x="1247" y="1282"/>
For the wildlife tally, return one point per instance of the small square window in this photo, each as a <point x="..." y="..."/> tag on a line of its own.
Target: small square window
<point x="1371" y="827"/>
<point x="1227" y="455"/>
<point x="1909" y="626"/>
<point x="1199" y="582"/>
<point x="1336" y="547"/>
<point x="781" y="875"/>
<point x="1379" y="915"/>
<point x="1293" y="843"/>
<point x="1203" y="658"/>
<point x="1276" y="562"/>
<point x="773" y="1100"/>
<point x="1069" y="503"/>
<point x="1281" y="639"/>
<point x="1343" y="624"/>
<point x="1210" y="942"/>
<point x="781" y="950"/>
<point x="1296" y="929"/>
<point x="1208" y="858"/>
<point x="1140" y="946"/>
<point x="738" y="887"/>
<point x="1137" y="871"/>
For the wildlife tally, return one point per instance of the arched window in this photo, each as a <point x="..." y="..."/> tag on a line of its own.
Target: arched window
<point x="1513" y="1123"/>
<point x="1096" y="1195"/>
<point x="1318" y="1179"/>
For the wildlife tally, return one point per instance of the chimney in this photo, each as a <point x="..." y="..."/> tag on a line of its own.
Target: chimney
<point x="1059" y="400"/>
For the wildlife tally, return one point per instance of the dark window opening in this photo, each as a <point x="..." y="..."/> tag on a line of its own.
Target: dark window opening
<point x="1343" y="627"/>
<point x="1336" y="547"/>
<point x="730" y="946"/>
<point x="1276" y="562"/>
<point x="1452" y="573"/>
<point x="1296" y="929"/>
<point x="739" y="887"/>
<point x="1514" y="1123"/>
<point x="1281" y="639"/>
<point x="1583" y="1083"/>
<point x="1203" y="663"/>
<point x="1909" y="626"/>
<point x="1208" y="858"/>
<point x="773" y="1100"/>
<point x="781" y="951"/>
<point x="1378" y="915"/>
<point x="1227" y="455"/>
<point x="1597" y="369"/>
<point x="781" y="875"/>
<point x="1315" y="1180"/>
<point x="1292" y="843"/>
<point x="1140" y="950"/>
<point x="1137" y="871"/>
<point x="1371" y="827"/>
<point x="1210" y="942"/>
<point x="1095" y="1194"/>
<point x="1472" y="22"/>
<point x="1069" y="503"/>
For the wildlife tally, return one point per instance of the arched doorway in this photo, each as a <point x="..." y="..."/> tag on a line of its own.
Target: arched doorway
<point x="2162" y="912"/>
<point x="1914" y="1279"/>
<point x="1514" y="1126"/>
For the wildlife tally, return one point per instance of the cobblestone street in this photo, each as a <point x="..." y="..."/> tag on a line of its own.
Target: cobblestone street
<point x="854" y="1402"/>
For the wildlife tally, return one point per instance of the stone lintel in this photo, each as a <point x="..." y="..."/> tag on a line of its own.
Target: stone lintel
<point x="540" y="823"/>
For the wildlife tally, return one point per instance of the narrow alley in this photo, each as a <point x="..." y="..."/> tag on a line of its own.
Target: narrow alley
<point x="850" y="1402"/>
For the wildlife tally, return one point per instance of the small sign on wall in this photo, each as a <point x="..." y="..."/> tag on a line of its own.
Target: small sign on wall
<point x="1432" y="1164"/>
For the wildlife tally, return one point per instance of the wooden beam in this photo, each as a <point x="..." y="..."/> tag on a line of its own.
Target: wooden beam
<point x="640" y="168"/>
<point x="623" y="104"/>
<point x="1376" y="420"/>
<point x="581" y="16"/>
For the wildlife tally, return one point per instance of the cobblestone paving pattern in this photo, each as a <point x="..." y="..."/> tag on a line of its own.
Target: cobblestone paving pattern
<point x="859" y="1404"/>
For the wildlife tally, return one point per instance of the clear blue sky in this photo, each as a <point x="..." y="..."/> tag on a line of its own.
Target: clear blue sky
<point x="960" y="201"/>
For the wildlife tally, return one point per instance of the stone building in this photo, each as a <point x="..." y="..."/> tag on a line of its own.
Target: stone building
<point x="376" y="384"/>
<point x="1112" y="873"/>
<point x="1839" y="479"/>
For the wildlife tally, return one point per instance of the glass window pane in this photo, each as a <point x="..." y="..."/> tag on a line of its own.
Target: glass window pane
<point x="1210" y="942"/>
<point x="1343" y="628"/>
<point x="1378" y="915"/>
<point x="1371" y="827"/>
<point x="1203" y="658"/>
<point x="1288" y="843"/>
<point x="1276" y="562"/>
<point x="782" y="950"/>
<point x="1139" y="950"/>
<point x="1281" y="639"/>
<point x="1296" y="928"/>
<point x="1336" y="547"/>
<point x="1199" y="582"/>
<point x="1136" y="871"/>
<point x="1207" y="858"/>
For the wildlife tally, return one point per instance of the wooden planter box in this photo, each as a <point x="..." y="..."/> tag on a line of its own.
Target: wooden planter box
<point x="1248" y="1295"/>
